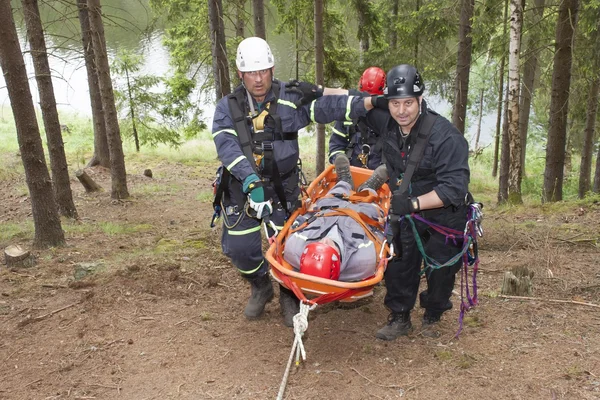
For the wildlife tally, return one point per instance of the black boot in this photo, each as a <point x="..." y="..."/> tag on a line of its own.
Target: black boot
<point x="342" y="169"/>
<point x="290" y="305"/>
<point x="398" y="325"/>
<point x="376" y="180"/>
<point x="261" y="293"/>
<point x="429" y="327"/>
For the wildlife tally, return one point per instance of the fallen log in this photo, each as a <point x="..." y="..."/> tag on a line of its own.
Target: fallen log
<point x="88" y="183"/>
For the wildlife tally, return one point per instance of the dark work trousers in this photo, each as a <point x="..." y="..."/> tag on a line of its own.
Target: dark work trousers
<point x="241" y="239"/>
<point x="402" y="274"/>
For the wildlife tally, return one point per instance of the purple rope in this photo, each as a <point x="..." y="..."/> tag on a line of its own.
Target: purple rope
<point x="451" y="234"/>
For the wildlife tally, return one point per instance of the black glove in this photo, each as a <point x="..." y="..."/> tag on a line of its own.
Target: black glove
<point x="403" y="204"/>
<point x="308" y="91"/>
<point x="380" y="102"/>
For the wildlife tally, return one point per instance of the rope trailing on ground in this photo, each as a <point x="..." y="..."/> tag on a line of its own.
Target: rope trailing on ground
<point x="300" y="326"/>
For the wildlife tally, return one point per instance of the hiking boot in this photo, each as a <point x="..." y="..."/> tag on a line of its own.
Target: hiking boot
<point x="289" y="305"/>
<point x="342" y="169"/>
<point x="430" y="325"/>
<point x="398" y="325"/>
<point x="376" y="180"/>
<point x="261" y="293"/>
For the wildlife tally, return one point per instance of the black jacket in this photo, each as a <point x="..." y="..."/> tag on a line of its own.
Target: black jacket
<point x="444" y="166"/>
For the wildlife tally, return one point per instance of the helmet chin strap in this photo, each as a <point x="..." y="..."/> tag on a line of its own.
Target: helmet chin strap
<point x="250" y="102"/>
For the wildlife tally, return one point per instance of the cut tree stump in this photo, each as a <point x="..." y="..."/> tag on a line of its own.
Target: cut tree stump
<point x="518" y="282"/>
<point x="88" y="183"/>
<point x="17" y="257"/>
<point x="148" y="173"/>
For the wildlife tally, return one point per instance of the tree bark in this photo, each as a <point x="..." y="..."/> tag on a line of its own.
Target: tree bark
<point x="504" y="156"/>
<point x="463" y="65"/>
<point x="514" y="136"/>
<point x="529" y="72"/>
<point x="219" y="46"/>
<point x="258" y="8"/>
<point x="517" y="282"/>
<point x="113" y="133"/>
<point x="320" y="78"/>
<point x="479" y="118"/>
<point x="393" y="33"/>
<point x="43" y="77"/>
<point x="87" y="182"/>
<point x="363" y="35"/>
<point x="17" y="257"/>
<point x="559" y="101"/>
<point x="240" y="19"/>
<point x="585" y="168"/>
<point x="596" y="188"/>
<point x="48" y="231"/>
<point x="101" y="154"/>
<point x="500" y="96"/>
<point x="136" y="137"/>
<point x="416" y="59"/>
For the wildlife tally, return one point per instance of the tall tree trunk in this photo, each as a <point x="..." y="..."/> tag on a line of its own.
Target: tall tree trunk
<point x="529" y="73"/>
<point x="393" y="32"/>
<point x="416" y="58"/>
<point x="363" y="35"/>
<point x="514" y="136"/>
<point x="240" y="19"/>
<point x="504" y="156"/>
<point x="297" y="50"/>
<point x="43" y="77"/>
<point x="463" y="65"/>
<point x="559" y="100"/>
<point x="219" y="46"/>
<point x="585" y="168"/>
<point x="596" y="188"/>
<point x="113" y="133"/>
<point x="500" y="95"/>
<point x="258" y="8"/>
<point x="136" y="137"/>
<point x="48" y="231"/>
<point x="101" y="154"/>
<point x="479" y="118"/>
<point x="320" y="78"/>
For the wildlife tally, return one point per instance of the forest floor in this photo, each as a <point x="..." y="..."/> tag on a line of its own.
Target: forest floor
<point x="142" y="304"/>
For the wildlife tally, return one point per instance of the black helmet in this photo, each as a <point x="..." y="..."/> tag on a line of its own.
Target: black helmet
<point x="403" y="81"/>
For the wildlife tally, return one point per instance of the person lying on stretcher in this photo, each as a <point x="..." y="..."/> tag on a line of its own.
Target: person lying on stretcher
<point x="337" y="246"/>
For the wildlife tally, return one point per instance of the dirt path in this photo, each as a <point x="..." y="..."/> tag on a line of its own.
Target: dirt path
<point x="161" y="317"/>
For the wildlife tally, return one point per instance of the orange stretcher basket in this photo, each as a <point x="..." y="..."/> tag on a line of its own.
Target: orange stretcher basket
<point x="314" y="289"/>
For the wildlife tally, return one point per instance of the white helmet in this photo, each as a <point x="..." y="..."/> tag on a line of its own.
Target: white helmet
<point x="254" y="54"/>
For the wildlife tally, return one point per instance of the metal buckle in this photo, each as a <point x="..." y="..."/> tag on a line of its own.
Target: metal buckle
<point x="267" y="146"/>
<point x="232" y="210"/>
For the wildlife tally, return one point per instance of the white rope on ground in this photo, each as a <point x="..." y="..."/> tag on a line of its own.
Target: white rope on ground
<point x="300" y="326"/>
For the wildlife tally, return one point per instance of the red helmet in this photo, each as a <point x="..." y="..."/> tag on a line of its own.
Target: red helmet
<point x="320" y="259"/>
<point x="372" y="81"/>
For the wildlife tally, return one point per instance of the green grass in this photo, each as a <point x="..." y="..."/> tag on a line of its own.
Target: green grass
<point x="113" y="229"/>
<point x="10" y="231"/>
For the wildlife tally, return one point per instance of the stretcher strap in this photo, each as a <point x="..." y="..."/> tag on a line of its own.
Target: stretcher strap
<point x="363" y="220"/>
<point x="323" y="299"/>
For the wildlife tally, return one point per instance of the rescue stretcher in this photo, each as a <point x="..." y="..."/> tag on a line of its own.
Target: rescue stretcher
<point x="316" y="290"/>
